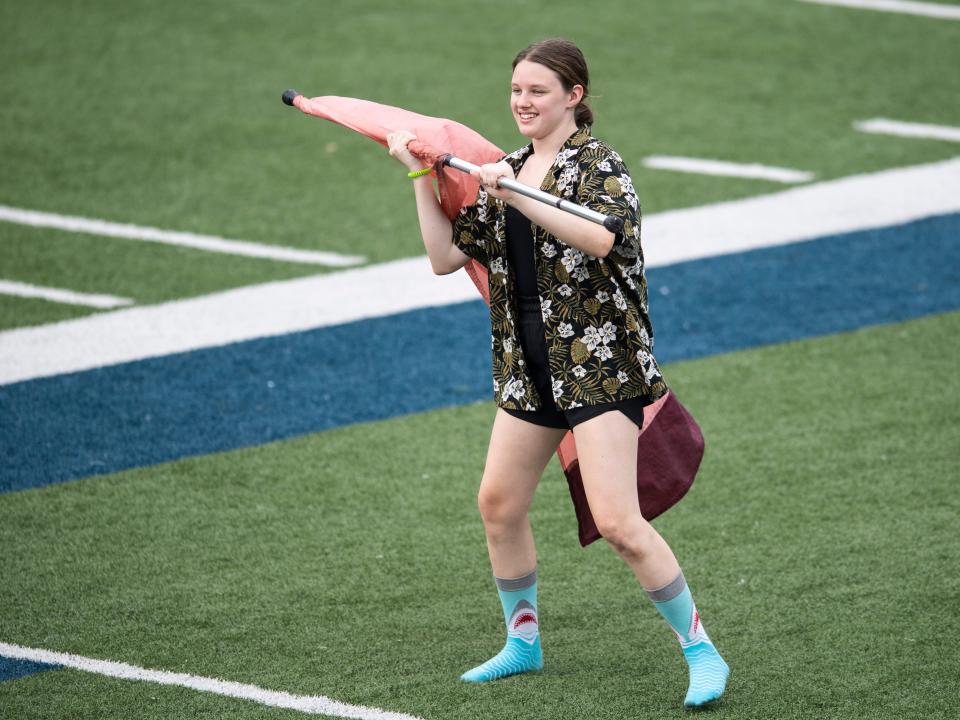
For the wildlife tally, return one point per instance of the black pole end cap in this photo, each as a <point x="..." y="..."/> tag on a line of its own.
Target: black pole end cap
<point x="613" y="224"/>
<point x="289" y="96"/>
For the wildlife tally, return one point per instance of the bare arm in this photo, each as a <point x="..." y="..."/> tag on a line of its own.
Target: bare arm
<point x="572" y="230"/>
<point x="436" y="229"/>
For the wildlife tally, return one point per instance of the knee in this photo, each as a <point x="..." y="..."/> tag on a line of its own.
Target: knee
<point x="498" y="507"/>
<point x="628" y="534"/>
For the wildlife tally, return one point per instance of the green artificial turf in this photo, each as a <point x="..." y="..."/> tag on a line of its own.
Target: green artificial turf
<point x="169" y="114"/>
<point x="819" y="540"/>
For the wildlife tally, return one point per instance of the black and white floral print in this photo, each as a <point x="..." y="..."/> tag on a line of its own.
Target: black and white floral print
<point x="598" y="332"/>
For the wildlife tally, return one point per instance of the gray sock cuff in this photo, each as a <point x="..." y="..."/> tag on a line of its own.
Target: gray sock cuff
<point x="513" y="584"/>
<point x="670" y="590"/>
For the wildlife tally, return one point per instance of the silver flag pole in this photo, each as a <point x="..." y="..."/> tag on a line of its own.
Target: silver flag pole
<point x="611" y="223"/>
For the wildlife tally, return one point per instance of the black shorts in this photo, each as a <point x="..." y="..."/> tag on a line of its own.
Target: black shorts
<point x="534" y="344"/>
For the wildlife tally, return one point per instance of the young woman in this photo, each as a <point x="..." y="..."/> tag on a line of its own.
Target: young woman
<point x="571" y="349"/>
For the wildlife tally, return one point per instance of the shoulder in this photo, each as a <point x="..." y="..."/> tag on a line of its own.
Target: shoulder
<point x="595" y="150"/>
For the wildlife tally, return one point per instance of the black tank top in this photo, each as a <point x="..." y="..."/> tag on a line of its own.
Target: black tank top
<point x="520" y="253"/>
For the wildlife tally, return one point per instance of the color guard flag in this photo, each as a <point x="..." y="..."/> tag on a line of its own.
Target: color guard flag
<point x="669" y="445"/>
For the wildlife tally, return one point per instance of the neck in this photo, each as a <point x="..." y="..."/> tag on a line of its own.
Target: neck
<point x="550" y="144"/>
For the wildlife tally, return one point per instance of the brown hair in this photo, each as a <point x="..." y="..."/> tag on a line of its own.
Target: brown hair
<point x="566" y="60"/>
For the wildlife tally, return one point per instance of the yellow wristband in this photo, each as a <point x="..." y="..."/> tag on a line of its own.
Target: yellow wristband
<point x="419" y="173"/>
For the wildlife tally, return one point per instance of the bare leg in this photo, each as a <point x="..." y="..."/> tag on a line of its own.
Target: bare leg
<point x="607" y="449"/>
<point x="518" y="453"/>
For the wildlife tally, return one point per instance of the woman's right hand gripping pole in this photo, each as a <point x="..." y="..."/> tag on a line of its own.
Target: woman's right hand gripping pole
<point x="435" y="227"/>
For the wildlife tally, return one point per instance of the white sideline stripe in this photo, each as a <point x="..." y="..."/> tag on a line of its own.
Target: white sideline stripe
<point x="883" y="126"/>
<point x="231" y="316"/>
<point x="702" y="166"/>
<point x="936" y="10"/>
<point x="833" y="207"/>
<point x="58" y="295"/>
<point x="309" y="704"/>
<point x="211" y="243"/>
<point x="854" y="203"/>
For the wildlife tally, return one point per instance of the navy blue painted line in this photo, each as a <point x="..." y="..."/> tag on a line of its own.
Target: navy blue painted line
<point x="13" y="669"/>
<point x="824" y="286"/>
<point x="147" y="412"/>
<point x="239" y="395"/>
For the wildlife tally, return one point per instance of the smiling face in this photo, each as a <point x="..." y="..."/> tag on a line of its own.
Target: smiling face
<point x="539" y="102"/>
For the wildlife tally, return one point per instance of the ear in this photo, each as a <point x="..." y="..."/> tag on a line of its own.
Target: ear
<point x="575" y="96"/>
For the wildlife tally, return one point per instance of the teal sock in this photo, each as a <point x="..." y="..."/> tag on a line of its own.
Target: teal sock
<point x="708" y="671"/>
<point x="522" y="652"/>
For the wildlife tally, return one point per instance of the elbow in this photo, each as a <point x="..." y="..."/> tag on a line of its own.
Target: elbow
<point x="444" y="263"/>
<point x="606" y="244"/>
<point x="439" y="269"/>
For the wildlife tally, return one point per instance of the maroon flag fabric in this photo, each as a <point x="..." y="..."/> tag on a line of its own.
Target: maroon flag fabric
<point x="669" y="445"/>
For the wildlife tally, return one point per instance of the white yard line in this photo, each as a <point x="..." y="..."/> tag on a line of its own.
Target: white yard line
<point x="309" y="704"/>
<point x="59" y="295"/>
<point x="883" y="126"/>
<point x="703" y="166"/>
<point x="210" y="243"/>
<point x="926" y="9"/>
<point x="860" y="202"/>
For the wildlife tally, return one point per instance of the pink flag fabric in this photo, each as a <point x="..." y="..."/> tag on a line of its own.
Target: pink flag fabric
<point x="435" y="138"/>
<point x="669" y="445"/>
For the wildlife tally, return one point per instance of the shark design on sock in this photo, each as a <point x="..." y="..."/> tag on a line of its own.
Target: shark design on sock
<point x="523" y="623"/>
<point x="695" y="633"/>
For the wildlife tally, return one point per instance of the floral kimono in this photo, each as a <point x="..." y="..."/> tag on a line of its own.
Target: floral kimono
<point x="598" y="332"/>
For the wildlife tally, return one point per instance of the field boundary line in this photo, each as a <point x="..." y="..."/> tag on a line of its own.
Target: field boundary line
<point x="831" y="207"/>
<point x="907" y="7"/>
<point x="209" y="243"/>
<point x="704" y="166"/>
<point x="926" y="131"/>
<point x="860" y="202"/>
<point x="308" y="704"/>
<point x="60" y="295"/>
